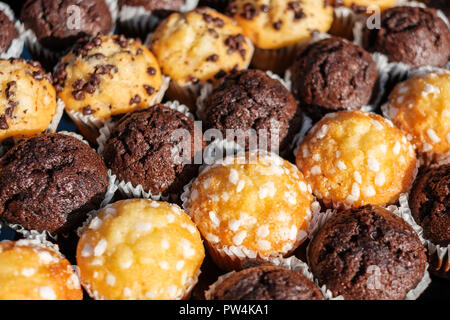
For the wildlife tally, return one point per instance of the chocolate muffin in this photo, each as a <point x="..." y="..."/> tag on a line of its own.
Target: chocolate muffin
<point x="331" y="75"/>
<point x="145" y="148"/>
<point x="8" y="34"/>
<point x="266" y="283"/>
<point x="367" y="253"/>
<point x="49" y="182"/>
<point x="411" y="35"/>
<point x="430" y="203"/>
<point x="55" y="21"/>
<point x="251" y="100"/>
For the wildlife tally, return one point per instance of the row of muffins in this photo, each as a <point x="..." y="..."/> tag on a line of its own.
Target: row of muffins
<point x="269" y="188"/>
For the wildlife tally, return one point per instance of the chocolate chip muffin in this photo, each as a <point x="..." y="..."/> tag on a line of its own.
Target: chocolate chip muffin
<point x="107" y="76"/>
<point x="8" y="34"/>
<point x="430" y="203"/>
<point x="411" y="35"/>
<point x="145" y="148"/>
<point x="49" y="182"/>
<point x="55" y="24"/>
<point x="266" y="283"/>
<point x="251" y="100"/>
<point x="367" y="253"/>
<point x="331" y="75"/>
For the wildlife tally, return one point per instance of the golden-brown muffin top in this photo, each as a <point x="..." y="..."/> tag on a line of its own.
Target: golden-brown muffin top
<point x="30" y="271"/>
<point x="201" y="45"/>
<point x="420" y="107"/>
<point x="263" y="205"/>
<point x="273" y="24"/>
<point x="354" y="158"/>
<point x="27" y="99"/>
<point x="140" y="249"/>
<point x="108" y="75"/>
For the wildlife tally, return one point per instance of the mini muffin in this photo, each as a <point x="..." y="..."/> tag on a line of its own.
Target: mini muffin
<point x="30" y="271"/>
<point x="198" y="47"/>
<point x="107" y="76"/>
<point x="8" y="34"/>
<point x="140" y="249"/>
<point x="362" y="5"/>
<point x="420" y="107"/>
<point x="266" y="283"/>
<point x="367" y="253"/>
<point x="55" y="22"/>
<point x="276" y="28"/>
<point x="145" y="148"/>
<point x="250" y="101"/>
<point x="49" y="182"/>
<point x="333" y="74"/>
<point x="353" y="158"/>
<point x="249" y="206"/>
<point x="430" y="204"/>
<point x="27" y="99"/>
<point x="411" y="35"/>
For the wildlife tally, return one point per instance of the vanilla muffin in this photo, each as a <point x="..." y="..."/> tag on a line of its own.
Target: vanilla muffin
<point x="420" y="106"/>
<point x="198" y="47"/>
<point x="362" y="5"/>
<point x="353" y="158"/>
<point x="27" y="99"/>
<point x="276" y="28"/>
<point x="140" y="249"/>
<point x="107" y="76"/>
<point x="31" y="271"/>
<point x="251" y="206"/>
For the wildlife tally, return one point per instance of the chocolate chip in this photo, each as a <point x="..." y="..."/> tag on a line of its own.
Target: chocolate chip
<point x="218" y="22"/>
<point x="3" y="123"/>
<point x="97" y="56"/>
<point x="231" y="9"/>
<point x="139" y="51"/>
<point x="277" y="25"/>
<point x="213" y="58"/>
<point x="38" y="75"/>
<point x="90" y="88"/>
<point x="264" y="8"/>
<point x="213" y="33"/>
<point x="151" y="71"/>
<point x="10" y="110"/>
<point x="150" y="90"/>
<point x="235" y="43"/>
<point x="122" y="41"/>
<point x="9" y="92"/>
<point x="135" y="100"/>
<point x="249" y="11"/>
<point x="220" y="74"/>
<point x="78" y="84"/>
<point x="97" y="41"/>
<point x="34" y="64"/>
<point x="78" y="94"/>
<point x="207" y="17"/>
<point x="88" y="110"/>
<point x="60" y="76"/>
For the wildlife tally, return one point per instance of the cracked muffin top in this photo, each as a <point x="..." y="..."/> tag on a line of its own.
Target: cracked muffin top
<point x="333" y="74"/>
<point x="27" y="99"/>
<point x="57" y="24"/>
<point x="266" y="283"/>
<point x="430" y="203"/>
<point x="251" y="100"/>
<point x="145" y="148"/>
<point x="367" y="253"/>
<point x="108" y="75"/>
<point x="49" y="182"/>
<point x="411" y="35"/>
<point x="8" y="34"/>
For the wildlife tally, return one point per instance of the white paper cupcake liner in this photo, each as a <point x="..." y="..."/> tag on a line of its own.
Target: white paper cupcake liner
<point x="291" y="263"/>
<point x="141" y="21"/>
<point x="402" y="211"/>
<point x="41" y="53"/>
<point x="206" y="90"/>
<point x="44" y="236"/>
<point x="16" y="47"/>
<point x="127" y="188"/>
<point x="93" y="124"/>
